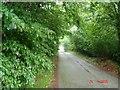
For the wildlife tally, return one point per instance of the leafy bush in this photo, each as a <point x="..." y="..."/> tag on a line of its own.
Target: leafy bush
<point x="97" y="31"/>
<point x="27" y="49"/>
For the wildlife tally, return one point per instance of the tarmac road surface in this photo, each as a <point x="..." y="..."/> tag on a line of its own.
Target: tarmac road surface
<point x="74" y="72"/>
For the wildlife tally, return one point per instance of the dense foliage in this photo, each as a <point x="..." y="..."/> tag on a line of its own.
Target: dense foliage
<point x="98" y="28"/>
<point x="30" y="38"/>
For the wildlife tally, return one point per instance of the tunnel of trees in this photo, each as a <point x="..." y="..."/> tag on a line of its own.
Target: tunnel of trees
<point x="31" y="33"/>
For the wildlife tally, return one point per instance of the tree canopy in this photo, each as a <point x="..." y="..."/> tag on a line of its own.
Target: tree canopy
<point x="97" y="31"/>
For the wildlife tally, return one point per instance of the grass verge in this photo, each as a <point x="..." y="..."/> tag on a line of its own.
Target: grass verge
<point x="44" y="80"/>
